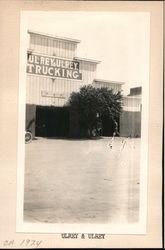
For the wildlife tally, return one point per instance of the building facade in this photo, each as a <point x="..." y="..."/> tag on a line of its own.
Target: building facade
<point x="54" y="71"/>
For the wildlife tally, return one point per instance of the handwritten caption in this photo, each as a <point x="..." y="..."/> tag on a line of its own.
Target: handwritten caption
<point x="29" y="243"/>
<point x="22" y="243"/>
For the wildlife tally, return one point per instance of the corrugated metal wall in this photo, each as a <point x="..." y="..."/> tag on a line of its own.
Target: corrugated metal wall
<point x="36" y="84"/>
<point x="115" y="86"/>
<point x="130" y="118"/>
<point x="132" y="103"/>
<point x="130" y="124"/>
<point x="52" y="47"/>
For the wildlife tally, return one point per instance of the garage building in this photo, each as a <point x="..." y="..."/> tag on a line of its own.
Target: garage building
<point x="54" y="71"/>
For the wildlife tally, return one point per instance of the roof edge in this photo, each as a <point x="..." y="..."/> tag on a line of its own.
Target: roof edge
<point x="87" y="60"/>
<point x="53" y="36"/>
<point x="108" y="81"/>
<point x="132" y="97"/>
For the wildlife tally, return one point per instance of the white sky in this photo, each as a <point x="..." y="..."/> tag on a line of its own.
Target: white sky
<point x="120" y="40"/>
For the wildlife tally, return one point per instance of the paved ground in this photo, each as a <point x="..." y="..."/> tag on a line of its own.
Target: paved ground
<point x="82" y="181"/>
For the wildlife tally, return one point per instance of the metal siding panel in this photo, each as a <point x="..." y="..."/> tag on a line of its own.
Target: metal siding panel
<point x="51" y="47"/>
<point x="63" y="45"/>
<point x="48" y="47"/>
<point x="65" y="51"/>
<point x="38" y="44"/>
<point x="45" y="86"/>
<point x="58" y="85"/>
<point x="37" y="89"/>
<point x="31" y="42"/>
<point x="47" y="89"/>
<point x="70" y="88"/>
<point x="68" y="47"/>
<point x="55" y="52"/>
<point x="34" y="42"/>
<point x="54" y="48"/>
<point x="60" y="49"/>
<point x="72" y="50"/>
<point x="75" y="50"/>
<point x="66" y="55"/>
<point x="86" y="75"/>
<point x="41" y="88"/>
<point x="38" y="80"/>
<point x="50" y="89"/>
<point x="44" y="46"/>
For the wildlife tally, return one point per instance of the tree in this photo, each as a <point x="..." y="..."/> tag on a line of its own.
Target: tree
<point x="92" y="104"/>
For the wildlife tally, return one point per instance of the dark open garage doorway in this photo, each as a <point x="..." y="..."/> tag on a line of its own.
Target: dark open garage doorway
<point x="52" y="121"/>
<point x="108" y="126"/>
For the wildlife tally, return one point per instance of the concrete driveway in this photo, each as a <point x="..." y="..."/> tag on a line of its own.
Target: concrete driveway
<point x="82" y="181"/>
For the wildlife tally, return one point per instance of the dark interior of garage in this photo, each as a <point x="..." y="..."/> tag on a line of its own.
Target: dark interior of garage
<point x="52" y="121"/>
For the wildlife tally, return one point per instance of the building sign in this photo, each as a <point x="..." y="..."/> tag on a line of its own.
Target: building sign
<point x="53" y="67"/>
<point x="51" y="94"/>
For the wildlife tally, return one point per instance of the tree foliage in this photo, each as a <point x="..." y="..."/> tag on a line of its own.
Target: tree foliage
<point x="92" y="104"/>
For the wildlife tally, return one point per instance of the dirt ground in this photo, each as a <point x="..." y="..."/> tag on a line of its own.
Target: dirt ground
<point x="82" y="181"/>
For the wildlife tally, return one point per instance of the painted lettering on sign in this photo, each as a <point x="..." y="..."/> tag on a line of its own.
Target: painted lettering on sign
<point x="53" y="67"/>
<point x="46" y="93"/>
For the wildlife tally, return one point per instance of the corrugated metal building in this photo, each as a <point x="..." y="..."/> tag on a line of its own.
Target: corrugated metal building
<point x="130" y="119"/>
<point x="54" y="71"/>
<point x="46" y="89"/>
<point x="116" y="86"/>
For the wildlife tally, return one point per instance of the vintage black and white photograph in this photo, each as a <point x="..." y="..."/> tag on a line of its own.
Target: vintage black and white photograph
<point x="84" y="85"/>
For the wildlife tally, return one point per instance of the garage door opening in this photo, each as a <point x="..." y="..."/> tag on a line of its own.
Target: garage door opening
<point x="52" y="121"/>
<point x="109" y="126"/>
